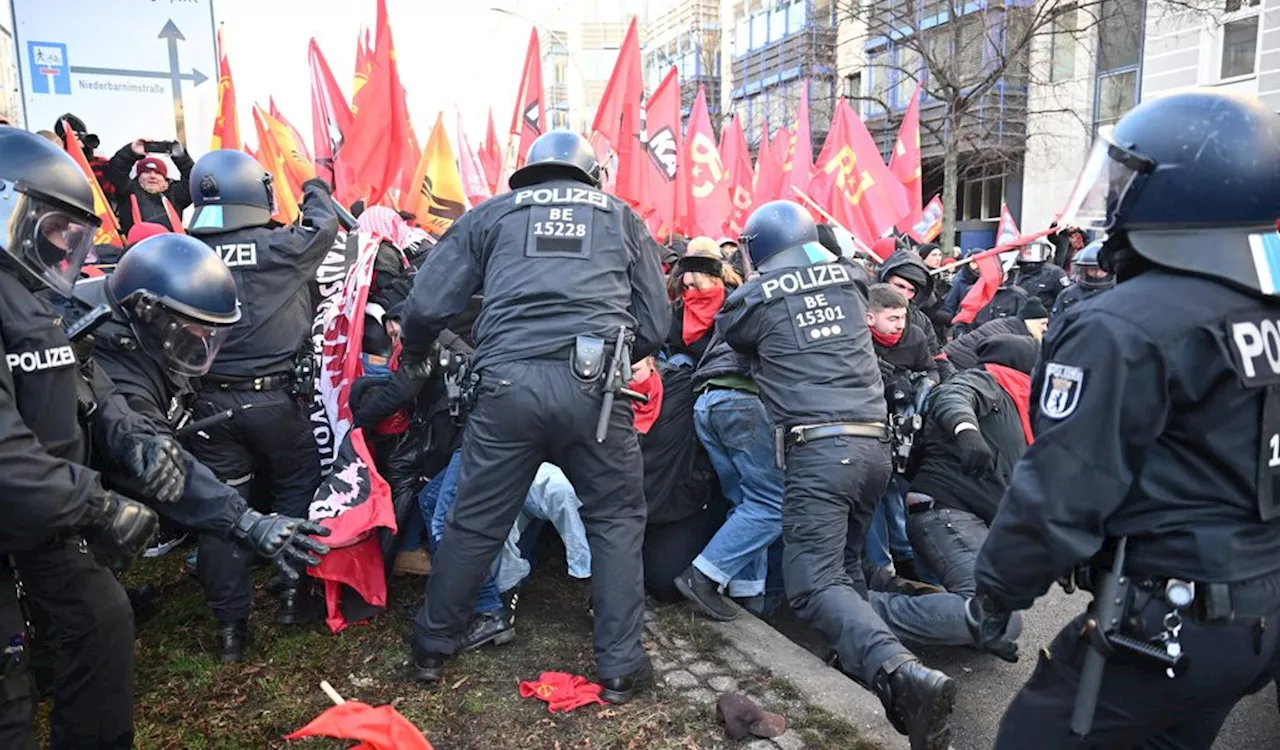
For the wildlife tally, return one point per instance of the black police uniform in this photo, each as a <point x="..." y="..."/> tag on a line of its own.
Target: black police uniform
<point x="79" y="613"/>
<point x="272" y="269"/>
<point x="1071" y="295"/>
<point x="1044" y="281"/>
<point x="556" y="260"/>
<point x="1156" y="409"/>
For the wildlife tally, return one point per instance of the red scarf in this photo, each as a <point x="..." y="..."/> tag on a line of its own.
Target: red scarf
<point x="884" y="339"/>
<point x="700" y="308"/>
<point x="647" y="414"/>
<point x="1018" y="386"/>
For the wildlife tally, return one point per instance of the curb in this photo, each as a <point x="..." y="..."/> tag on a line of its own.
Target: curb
<point x="821" y="685"/>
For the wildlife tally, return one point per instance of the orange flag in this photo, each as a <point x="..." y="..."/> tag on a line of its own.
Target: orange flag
<point x="708" y="184"/>
<point x="364" y="63"/>
<point x="226" y="128"/>
<point x="107" y="233"/>
<point x="270" y="157"/>
<point x="905" y="163"/>
<point x="736" y="158"/>
<point x="284" y="140"/>
<point x="440" y="198"/>
<point x="293" y="132"/>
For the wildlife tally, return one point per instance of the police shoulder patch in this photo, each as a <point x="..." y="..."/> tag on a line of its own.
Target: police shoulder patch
<point x="1060" y="393"/>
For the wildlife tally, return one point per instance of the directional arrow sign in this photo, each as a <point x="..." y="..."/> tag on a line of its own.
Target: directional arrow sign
<point x="195" y="76"/>
<point x="171" y="34"/>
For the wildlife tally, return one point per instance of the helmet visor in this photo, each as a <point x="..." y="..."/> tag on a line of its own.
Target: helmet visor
<point x="1103" y="183"/>
<point x="188" y="347"/>
<point x="49" y="242"/>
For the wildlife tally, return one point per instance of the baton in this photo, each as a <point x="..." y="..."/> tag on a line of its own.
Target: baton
<point x="1109" y="605"/>
<point x="212" y="420"/>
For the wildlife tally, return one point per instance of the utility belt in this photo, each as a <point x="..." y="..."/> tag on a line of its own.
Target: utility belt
<point x="272" y="382"/>
<point x="786" y="437"/>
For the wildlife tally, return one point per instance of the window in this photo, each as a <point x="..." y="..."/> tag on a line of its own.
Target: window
<point x="1239" y="39"/>
<point x="795" y="18"/>
<point x="1062" y="46"/>
<point x="853" y="87"/>
<point x="1119" y="34"/>
<point x="742" y="40"/>
<point x="759" y="31"/>
<point x="1117" y="94"/>
<point x="777" y="24"/>
<point x="823" y="13"/>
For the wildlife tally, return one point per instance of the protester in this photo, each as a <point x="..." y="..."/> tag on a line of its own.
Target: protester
<point x="697" y="285"/>
<point x="905" y="271"/>
<point x="150" y="195"/>
<point x="89" y="144"/>
<point x="1032" y="320"/>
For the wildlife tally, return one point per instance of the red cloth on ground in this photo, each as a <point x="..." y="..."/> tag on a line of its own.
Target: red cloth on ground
<point x="647" y="414"/>
<point x="380" y="728"/>
<point x="561" y="691"/>
<point x="884" y="339"/>
<point x="700" y="308"/>
<point x="1018" y="386"/>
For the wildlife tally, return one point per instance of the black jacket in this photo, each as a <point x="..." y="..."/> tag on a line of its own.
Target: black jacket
<point x="1007" y="302"/>
<point x="962" y="352"/>
<point x="909" y="355"/>
<point x="679" y="480"/>
<point x="720" y="360"/>
<point x="392" y="277"/>
<point x="1044" y="281"/>
<point x="150" y="206"/>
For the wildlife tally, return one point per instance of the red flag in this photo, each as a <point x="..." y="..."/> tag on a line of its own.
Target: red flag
<point x="364" y="62"/>
<point x="930" y="224"/>
<point x="736" y="158"/>
<point x="379" y="139"/>
<point x="819" y="191"/>
<point x="330" y="122"/>
<point x="905" y="162"/>
<point x="108" y="232"/>
<point x="381" y="728"/>
<point x="473" y="179"/>
<point x="353" y="502"/>
<point x="226" y="128"/>
<point x="491" y="158"/>
<point x="297" y="137"/>
<point x="663" y="149"/>
<point x="990" y="275"/>
<point x="708" y="187"/>
<point x="866" y="198"/>
<point x="619" y="118"/>
<point x="529" y="119"/>
<point x="797" y="166"/>
<point x="768" y="170"/>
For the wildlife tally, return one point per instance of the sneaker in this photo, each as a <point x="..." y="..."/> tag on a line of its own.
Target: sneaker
<point x="415" y="562"/>
<point x="166" y="541"/>
<point x="705" y="594"/>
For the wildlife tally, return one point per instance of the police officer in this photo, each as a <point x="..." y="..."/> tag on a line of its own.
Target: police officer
<point x="52" y="503"/>
<point x="1088" y="278"/>
<point x="803" y="319"/>
<point x="173" y="303"/>
<point x="564" y="267"/>
<point x="1157" y="410"/>
<point x="1037" y="275"/>
<point x="255" y="367"/>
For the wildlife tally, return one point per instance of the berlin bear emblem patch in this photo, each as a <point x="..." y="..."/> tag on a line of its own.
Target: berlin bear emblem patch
<point x="1060" y="393"/>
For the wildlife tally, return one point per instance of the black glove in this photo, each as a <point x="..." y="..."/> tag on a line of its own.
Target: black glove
<point x="975" y="456"/>
<point x="158" y="462"/>
<point x="119" y="528"/>
<point x="417" y="364"/>
<point x="318" y="183"/>
<point x="285" y="541"/>
<point x="988" y="623"/>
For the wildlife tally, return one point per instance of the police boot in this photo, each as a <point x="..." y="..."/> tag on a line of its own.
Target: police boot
<point x="489" y="627"/>
<point x="705" y="595"/>
<point x="298" y="605"/>
<point x="918" y="701"/>
<point x="233" y="639"/>
<point x="619" y="690"/>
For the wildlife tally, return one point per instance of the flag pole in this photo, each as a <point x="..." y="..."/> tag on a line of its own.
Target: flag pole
<point x="338" y="700"/>
<point x="1006" y="247"/>
<point x="832" y="220"/>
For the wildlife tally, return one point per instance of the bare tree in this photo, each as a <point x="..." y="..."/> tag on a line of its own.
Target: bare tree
<point x="975" y="67"/>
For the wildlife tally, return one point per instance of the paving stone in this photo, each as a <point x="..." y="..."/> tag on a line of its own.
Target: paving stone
<point x="704" y="668"/>
<point x="663" y="665"/>
<point x="680" y="679"/>
<point x="685" y="655"/>
<point x="680" y="643"/>
<point x="789" y="740"/>
<point x="722" y="684"/>
<point x="700" y="695"/>
<point x="761" y="745"/>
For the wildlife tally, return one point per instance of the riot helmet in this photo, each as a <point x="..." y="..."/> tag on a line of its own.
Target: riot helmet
<point x="1190" y="181"/>
<point x="780" y="234"/>
<point x="230" y="190"/>
<point x="1085" y="270"/>
<point x="558" y="154"/>
<point x="1036" y="251"/>
<point x="47" y="210"/>
<point x="179" y="298"/>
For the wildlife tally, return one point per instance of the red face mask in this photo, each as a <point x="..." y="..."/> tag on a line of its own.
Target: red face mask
<point x="885" y="339"/>
<point x="700" y="308"/>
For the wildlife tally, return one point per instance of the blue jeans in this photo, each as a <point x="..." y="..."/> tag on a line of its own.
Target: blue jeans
<point x="734" y="429"/>
<point x="551" y="498"/>
<point x="435" y="501"/>
<point x="887" y="535"/>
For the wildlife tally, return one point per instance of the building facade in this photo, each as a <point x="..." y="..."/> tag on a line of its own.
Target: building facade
<point x="686" y="34"/>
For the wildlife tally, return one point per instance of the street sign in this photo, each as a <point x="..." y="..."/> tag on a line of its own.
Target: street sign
<point x="137" y="71"/>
